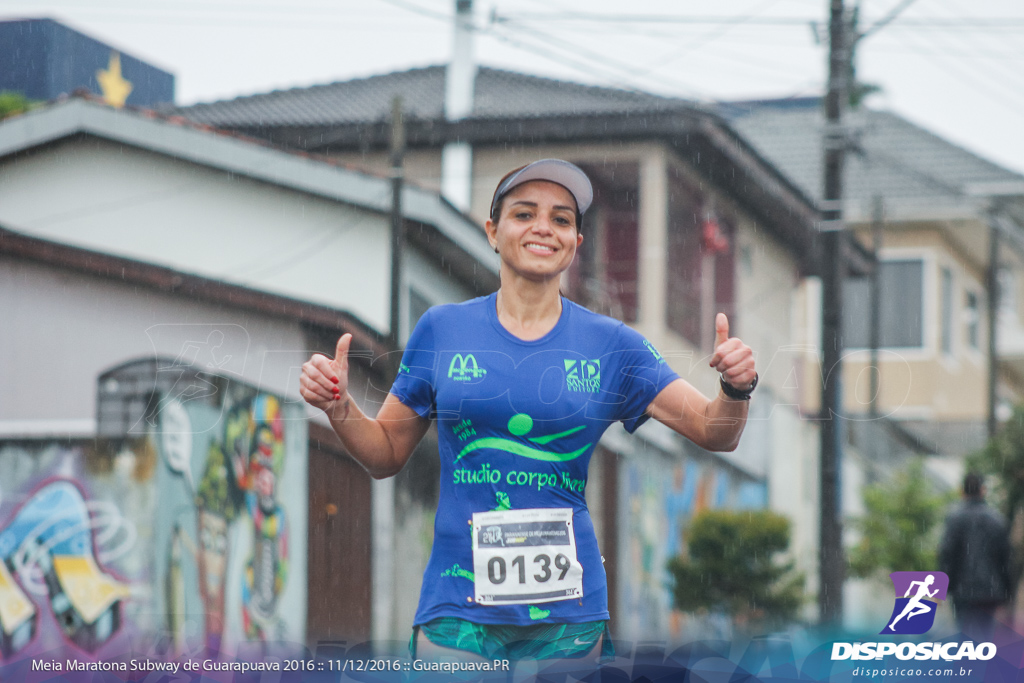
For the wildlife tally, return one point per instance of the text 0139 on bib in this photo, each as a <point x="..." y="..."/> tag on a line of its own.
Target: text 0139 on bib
<point x="525" y="556"/>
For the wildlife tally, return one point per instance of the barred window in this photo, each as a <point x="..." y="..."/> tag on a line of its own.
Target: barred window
<point x="902" y="306"/>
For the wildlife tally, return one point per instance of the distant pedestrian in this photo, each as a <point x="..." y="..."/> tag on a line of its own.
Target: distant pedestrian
<point x="975" y="554"/>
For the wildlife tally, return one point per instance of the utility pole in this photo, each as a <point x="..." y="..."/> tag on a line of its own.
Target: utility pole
<point x="832" y="562"/>
<point x="397" y="224"/>
<point x="875" y="330"/>
<point x="459" y="87"/>
<point x="993" y="323"/>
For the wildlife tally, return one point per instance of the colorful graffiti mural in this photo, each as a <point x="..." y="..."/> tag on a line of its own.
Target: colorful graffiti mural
<point x="48" y="546"/>
<point x="233" y="539"/>
<point x="176" y="539"/>
<point x="267" y="567"/>
<point x="661" y="495"/>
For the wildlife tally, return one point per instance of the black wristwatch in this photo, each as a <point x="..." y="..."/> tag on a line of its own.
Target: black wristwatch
<point x="738" y="394"/>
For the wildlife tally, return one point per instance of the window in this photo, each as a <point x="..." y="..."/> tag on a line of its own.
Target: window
<point x="605" y="274"/>
<point x="946" y="312"/>
<point x="1007" y="283"/>
<point x="972" y="320"/>
<point x="701" y="263"/>
<point x="418" y="305"/>
<point x="622" y="256"/>
<point x="902" y="323"/>
<point x="128" y="395"/>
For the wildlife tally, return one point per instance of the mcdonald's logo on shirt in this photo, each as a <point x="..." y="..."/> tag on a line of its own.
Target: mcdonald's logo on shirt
<point x="465" y="368"/>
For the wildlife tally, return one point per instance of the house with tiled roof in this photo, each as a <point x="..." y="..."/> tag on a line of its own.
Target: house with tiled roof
<point x="949" y="229"/>
<point x="161" y="284"/>
<point x="672" y="174"/>
<point x="688" y="219"/>
<point x="936" y="205"/>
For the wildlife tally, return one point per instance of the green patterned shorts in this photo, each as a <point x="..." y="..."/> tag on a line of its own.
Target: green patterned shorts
<point x="508" y="641"/>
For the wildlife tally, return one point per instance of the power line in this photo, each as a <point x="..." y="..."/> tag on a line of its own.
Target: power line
<point x="568" y="58"/>
<point x="572" y="50"/>
<point x="971" y="53"/>
<point x="412" y="7"/>
<point x="886" y="20"/>
<point x="263" y="266"/>
<point x="974" y="80"/>
<point x="221" y="22"/>
<point x="997" y="37"/>
<point x="633" y="72"/>
<point x="583" y="17"/>
<point x="999" y="82"/>
<point x="706" y="38"/>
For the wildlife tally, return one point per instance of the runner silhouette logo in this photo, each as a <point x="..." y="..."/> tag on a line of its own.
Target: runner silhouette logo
<point x="914" y="612"/>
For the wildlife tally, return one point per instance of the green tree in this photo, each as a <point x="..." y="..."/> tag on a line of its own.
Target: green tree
<point x="1003" y="459"/>
<point x="858" y="90"/>
<point x="731" y="566"/>
<point x="12" y="103"/>
<point x="899" y="531"/>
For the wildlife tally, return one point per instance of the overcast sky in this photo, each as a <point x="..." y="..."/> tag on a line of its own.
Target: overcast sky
<point x="955" y="67"/>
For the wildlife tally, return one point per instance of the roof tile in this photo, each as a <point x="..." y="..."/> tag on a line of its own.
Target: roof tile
<point x="498" y="94"/>
<point x="895" y="158"/>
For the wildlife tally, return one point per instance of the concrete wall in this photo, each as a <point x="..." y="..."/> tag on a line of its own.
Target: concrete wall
<point x="225" y="457"/>
<point x="62" y="330"/>
<point x="99" y="195"/>
<point x="188" y="535"/>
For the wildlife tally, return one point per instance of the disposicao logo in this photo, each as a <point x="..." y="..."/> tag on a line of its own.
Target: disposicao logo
<point x="914" y="613"/>
<point x="917" y="596"/>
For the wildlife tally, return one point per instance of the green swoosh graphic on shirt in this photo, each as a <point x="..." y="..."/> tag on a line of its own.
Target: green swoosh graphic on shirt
<point x="545" y="440"/>
<point x="517" y="448"/>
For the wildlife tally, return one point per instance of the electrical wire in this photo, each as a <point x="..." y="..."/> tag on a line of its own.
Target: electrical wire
<point x="1008" y="75"/>
<point x="570" y="52"/>
<point x="412" y="7"/>
<point x="977" y="80"/>
<point x="625" y="19"/>
<point x="887" y="19"/>
<point x="706" y="38"/>
<point x="230" y="22"/>
<point x="998" y="38"/>
<point x="263" y="266"/>
<point x="633" y="73"/>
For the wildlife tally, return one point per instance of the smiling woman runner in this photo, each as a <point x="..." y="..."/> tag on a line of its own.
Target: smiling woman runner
<point x="523" y="383"/>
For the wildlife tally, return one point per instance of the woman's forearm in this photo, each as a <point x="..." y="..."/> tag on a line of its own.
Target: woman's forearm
<point x="724" y="421"/>
<point x="382" y="445"/>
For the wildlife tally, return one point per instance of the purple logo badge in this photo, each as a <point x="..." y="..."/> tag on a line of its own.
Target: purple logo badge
<point x="917" y="596"/>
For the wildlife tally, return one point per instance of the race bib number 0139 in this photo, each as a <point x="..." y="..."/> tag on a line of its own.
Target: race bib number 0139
<point x="525" y="556"/>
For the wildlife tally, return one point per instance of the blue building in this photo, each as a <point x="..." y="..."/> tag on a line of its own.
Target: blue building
<point x="43" y="59"/>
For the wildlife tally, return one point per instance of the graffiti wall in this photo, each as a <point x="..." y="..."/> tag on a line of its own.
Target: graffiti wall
<point x="185" y="534"/>
<point x="659" y="495"/>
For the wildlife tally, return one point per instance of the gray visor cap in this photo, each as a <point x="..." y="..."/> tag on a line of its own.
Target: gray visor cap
<point x="569" y="176"/>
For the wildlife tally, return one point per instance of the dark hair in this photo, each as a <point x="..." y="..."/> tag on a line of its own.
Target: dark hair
<point x="500" y="201"/>
<point x="973" y="483"/>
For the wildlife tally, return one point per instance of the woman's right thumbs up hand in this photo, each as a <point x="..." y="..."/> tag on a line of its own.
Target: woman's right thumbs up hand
<point x="324" y="382"/>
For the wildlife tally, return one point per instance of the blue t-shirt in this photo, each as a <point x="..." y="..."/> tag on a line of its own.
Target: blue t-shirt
<point x="517" y="422"/>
